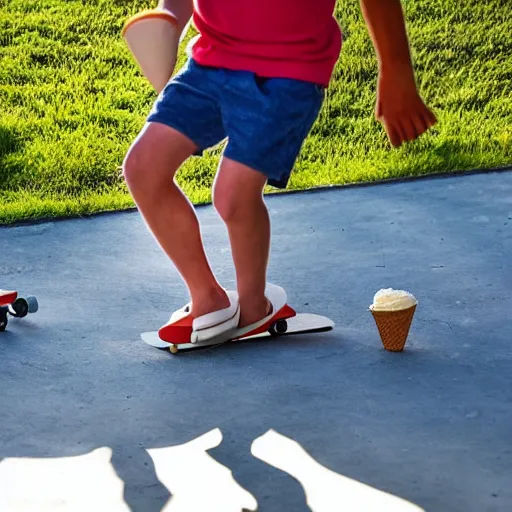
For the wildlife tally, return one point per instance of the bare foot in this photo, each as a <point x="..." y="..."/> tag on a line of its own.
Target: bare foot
<point x="254" y="311"/>
<point x="211" y="301"/>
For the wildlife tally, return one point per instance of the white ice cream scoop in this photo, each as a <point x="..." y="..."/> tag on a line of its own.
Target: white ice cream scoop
<point x="388" y="299"/>
<point x="153" y="39"/>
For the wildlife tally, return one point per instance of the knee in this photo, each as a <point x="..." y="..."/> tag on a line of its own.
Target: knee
<point x="237" y="201"/>
<point x="144" y="172"/>
<point x="135" y="166"/>
<point x="228" y="204"/>
<point x="234" y="205"/>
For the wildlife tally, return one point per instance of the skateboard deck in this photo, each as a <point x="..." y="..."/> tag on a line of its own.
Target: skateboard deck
<point x="11" y="304"/>
<point x="302" y="323"/>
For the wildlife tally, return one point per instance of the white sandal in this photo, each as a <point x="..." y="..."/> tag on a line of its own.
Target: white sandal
<point x="277" y="298"/>
<point x="222" y="323"/>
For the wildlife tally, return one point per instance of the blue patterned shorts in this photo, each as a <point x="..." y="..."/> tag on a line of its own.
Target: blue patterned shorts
<point x="265" y="120"/>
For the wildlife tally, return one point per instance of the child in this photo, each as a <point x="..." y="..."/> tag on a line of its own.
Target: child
<point x="256" y="76"/>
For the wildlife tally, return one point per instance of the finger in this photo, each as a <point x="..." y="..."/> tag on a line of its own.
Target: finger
<point x="393" y="134"/>
<point x="401" y="133"/>
<point x="409" y="129"/>
<point x="420" y="125"/>
<point x="427" y="121"/>
<point x="429" y="117"/>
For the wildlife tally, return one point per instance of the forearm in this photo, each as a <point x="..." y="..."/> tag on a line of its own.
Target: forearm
<point x="182" y="9"/>
<point x="386" y="25"/>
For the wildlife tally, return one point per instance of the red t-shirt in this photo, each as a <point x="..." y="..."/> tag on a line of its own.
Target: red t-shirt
<point x="298" y="39"/>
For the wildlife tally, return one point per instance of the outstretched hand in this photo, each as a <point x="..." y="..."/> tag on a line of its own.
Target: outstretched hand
<point x="401" y="110"/>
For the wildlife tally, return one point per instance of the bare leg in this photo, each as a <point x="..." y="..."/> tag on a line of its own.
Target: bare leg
<point x="238" y="197"/>
<point x="149" y="169"/>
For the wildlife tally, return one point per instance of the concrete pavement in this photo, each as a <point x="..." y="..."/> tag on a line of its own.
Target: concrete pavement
<point x="94" y="419"/>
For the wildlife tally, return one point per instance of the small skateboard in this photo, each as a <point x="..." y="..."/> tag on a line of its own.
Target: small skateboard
<point x="11" y="304"/>
<point x="301" y="323"/>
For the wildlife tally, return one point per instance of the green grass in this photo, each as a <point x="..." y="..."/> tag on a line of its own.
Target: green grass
<point x="72" y="100"/>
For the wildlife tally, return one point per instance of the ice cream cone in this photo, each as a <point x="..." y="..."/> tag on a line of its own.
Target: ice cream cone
<point x="394" y="327"/>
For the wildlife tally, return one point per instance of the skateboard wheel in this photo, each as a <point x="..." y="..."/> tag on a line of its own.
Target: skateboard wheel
<point x="280" y="327"/>
<point x="173" y="349"/>
<point x="19" y="308"/>
<point x="33" y="305"/>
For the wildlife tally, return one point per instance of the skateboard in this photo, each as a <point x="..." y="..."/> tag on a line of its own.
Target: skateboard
<point x="295" y="324"/>
<point x="11" y="304"/>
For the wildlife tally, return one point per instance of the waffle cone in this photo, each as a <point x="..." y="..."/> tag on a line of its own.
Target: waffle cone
<point x="394" y="327"/>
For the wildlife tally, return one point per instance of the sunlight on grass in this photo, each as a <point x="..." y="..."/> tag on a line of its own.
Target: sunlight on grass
<point x="73" y="100"/>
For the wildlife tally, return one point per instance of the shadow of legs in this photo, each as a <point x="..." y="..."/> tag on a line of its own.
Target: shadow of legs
<point x="143" y="492"/>
<point x="266" y="483"/>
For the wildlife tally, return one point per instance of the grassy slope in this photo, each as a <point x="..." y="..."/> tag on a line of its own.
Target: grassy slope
<point x="71" y="102"/>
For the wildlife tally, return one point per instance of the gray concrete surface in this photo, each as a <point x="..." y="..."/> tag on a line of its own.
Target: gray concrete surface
<point x="432" y="425"/>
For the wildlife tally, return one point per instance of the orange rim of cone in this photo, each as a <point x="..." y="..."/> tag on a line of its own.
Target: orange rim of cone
<point x="145" y="15"/>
